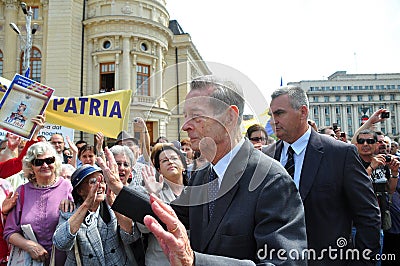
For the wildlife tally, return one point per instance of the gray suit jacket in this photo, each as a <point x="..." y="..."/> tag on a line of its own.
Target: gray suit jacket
<point x="258" y="209"/>
<point x="99" y="243"/>
<point x="336" y="193"/>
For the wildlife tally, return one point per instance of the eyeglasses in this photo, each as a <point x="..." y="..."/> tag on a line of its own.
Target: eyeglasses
<point x="126" y="165"/>
<point x="369" y="141"/>
<point x="94" y="180"/>
<point x="170" y="159"/>
<point x="258" y="139"/>
<point x="40" y="162"/>
<point x="57" y="142"/>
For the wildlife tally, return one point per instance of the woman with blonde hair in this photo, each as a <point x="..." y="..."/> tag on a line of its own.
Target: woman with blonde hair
<point x="38" y="203"/>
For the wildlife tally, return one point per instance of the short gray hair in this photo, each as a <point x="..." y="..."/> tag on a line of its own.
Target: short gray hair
<point x="124" y="150"/>
<point x="297" y="96"/>
<point x="33" y="152"/>
<point x="224" y="91"/>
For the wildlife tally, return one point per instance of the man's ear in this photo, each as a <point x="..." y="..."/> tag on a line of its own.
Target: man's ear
<point x="233" y="114"/>
<point x="304" y="112"/>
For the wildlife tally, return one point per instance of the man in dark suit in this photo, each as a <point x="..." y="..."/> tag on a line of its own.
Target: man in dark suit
<point x="256" y="215"/>
<point x="333" y="184"/>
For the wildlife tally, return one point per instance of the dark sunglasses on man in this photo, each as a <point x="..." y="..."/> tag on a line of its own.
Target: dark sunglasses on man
<point x="40" y="162"/>
<point x="369" y="141"/>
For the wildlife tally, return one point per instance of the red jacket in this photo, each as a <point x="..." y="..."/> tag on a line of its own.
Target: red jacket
<point x="14" y="165"/>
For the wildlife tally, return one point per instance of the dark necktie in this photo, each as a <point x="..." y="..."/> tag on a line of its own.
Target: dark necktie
<point x="213" y="188"/>
<point x="289" y="166"/>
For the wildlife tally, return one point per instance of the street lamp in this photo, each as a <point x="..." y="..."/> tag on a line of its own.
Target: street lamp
<point x="26" y="41"/>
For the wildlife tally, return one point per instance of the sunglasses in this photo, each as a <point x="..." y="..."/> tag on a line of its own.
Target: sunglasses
<point x="369" y="141"/>
<point x="258" y="139"/>
<point x="40" y="162"/>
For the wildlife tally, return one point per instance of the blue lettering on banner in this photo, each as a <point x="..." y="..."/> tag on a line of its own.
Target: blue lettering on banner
<point x="83" y="104"/>
<point x="57" y="102"/>
<point x="96" y="108"/>
<point x="71" y="105"/>
<point x="116" y="110"/>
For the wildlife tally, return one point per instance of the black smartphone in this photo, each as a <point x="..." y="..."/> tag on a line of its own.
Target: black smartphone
<point x="385" y="115"/>
<point x="334" y="125"/>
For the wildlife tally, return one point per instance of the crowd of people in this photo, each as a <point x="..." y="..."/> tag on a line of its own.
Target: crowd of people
<point x="216" y="197"/>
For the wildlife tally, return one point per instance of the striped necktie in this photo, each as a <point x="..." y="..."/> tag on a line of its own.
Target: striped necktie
<point x="289" y="166"/>
<point x="213" y="188"/>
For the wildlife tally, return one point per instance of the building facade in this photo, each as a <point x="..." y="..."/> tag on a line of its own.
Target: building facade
<point x="85" y="47"/>
<point x="346" y="99"/>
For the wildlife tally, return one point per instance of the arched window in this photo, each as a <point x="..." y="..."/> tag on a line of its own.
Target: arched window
<point x="35" y="65"/>
<point x="1" y="63"/>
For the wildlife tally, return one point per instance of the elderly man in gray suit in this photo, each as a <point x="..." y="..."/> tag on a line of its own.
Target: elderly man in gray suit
<point x="333" y="184"/>
<point x="243" y="209"/>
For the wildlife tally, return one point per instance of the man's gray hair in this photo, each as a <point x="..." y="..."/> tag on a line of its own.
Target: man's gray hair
<point x="224" y="91"/>
<point x="297" y="96"/>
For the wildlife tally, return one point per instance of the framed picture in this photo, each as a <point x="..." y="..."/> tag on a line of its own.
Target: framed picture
<point x="23" y="100"/>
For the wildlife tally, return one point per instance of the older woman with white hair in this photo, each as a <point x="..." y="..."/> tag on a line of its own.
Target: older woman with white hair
<point x="125" y="160"/>
<point x="38" y="203"/>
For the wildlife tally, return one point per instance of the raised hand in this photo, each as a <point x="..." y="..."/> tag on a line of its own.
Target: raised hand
<point x="9" y="202"/>
<point x="39" y="120"/>
<point x="71" y="145"/>
<point x="110" y="171"/>
<point x="99" y="141"/>
<point x="13" y="141"/>
<point x="150" y="182"/>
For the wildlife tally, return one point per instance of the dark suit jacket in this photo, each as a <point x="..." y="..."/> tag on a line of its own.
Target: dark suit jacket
<point x="336" y="191"/>
<point x="258" y="209"/>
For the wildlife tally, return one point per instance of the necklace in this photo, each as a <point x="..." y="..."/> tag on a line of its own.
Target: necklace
<point x="46" y="186"/>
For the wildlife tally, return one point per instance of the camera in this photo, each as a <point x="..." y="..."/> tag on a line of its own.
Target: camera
<point x="335" y="126"/>
<point x="135" y="120"/>
<point x="385" y="115"/>
<point x="342" y="134"/>
<point x="388" y="158"/>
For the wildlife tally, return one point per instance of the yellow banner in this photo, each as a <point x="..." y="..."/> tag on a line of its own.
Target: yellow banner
<point x="105" y="112"/>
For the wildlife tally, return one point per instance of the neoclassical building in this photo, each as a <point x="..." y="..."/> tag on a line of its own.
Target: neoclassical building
<point x="84" y="47"/>
<point x="346" y="99"/>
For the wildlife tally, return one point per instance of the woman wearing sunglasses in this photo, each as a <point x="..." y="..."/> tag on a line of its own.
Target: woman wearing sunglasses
<point x="38" y="203"/>
<point x="257" y="135"/>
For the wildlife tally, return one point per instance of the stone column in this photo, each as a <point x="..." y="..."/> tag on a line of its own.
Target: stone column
<point x="126" y="65"/>
<point x="90" y="77"/>
<point x="116" y="73"/>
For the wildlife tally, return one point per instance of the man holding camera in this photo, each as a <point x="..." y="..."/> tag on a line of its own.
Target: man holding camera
<point x="381" y="167"/>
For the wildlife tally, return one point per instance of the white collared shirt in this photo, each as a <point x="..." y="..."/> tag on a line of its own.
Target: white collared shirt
<point x="221" y="166"/>
<point x="299" y="147"/>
